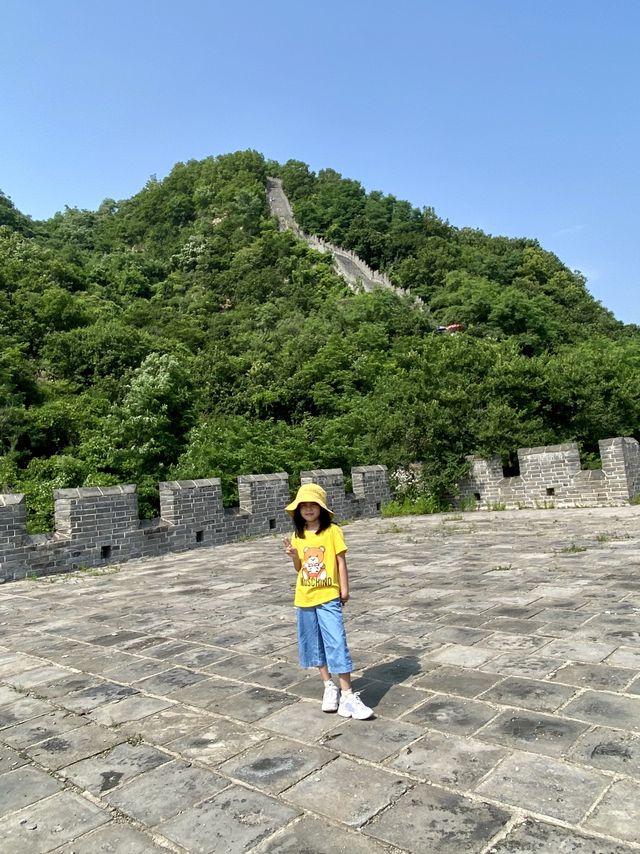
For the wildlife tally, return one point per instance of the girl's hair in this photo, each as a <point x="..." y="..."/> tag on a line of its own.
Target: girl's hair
<point x="298" y="521"/>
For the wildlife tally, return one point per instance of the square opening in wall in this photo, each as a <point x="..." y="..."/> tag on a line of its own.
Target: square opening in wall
<point x="199" y="536"/>
<point x="477" y="496"/>
<point x="105" y="552"/>
<point x="378" y="506"/>
<point x="272" y="524"/>
<point x="551" y="490"/>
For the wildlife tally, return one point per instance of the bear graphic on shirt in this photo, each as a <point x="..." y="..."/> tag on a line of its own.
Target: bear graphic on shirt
<point x="313" y="563"/>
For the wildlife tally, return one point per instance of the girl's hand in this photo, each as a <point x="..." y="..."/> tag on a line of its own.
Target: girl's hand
<point x="288" y="548"/>
<point x="344" y="598"/>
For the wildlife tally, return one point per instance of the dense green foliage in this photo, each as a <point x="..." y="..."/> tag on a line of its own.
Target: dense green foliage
<point x="180" y="334"/>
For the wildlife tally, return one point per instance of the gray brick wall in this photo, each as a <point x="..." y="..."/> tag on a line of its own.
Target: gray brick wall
<point x="551" y="476"/>
<point x="370" y="490"/>
<point x="95" y="526"/>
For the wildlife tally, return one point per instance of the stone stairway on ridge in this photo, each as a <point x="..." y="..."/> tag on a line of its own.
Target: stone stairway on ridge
<point x="350" y="266"/>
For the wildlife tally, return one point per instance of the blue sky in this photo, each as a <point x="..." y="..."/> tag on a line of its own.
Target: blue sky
<point x="519" y="118"/>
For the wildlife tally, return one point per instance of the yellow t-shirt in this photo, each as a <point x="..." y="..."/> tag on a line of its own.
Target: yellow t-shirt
<point x="318" y="580"/>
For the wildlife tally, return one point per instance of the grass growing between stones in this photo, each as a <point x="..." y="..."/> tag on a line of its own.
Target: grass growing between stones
<point x="410" y="507"/>
<point x="394" y="529"/>
<point x="75" y="575"/>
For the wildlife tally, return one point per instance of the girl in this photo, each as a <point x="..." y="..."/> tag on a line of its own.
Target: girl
<point x="319" y="552"/>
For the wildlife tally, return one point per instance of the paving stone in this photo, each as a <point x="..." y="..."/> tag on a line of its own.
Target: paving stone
<point x="462" y="681"/>
<point x="47" y="825"/>
<point x="9" y="759"/>
<point x="506" y="641"/>
<point x="90" y="698"/>
<point x="8" y="695"/>
<point x="276" y="764"/>
<point x="25" y="786"/>
<point x="168" y="649"/>
<point x="112" y="838"/>
<point x="510" y="625"/>
<point x="559" y="617"/>
<point x="403" y="669"/>
<point x="617" y="813"/>
<point x="132" y="708"/>
<point x="464" y="635"/>
<point x="310" y="834"/>
<point x="132" y="650"/>
<point x="163" y="792"/>
<point x="133" y="671"/>
<point x="280" y="675"/>
<point x="612" y="750"/>
<point x="221" y="740"/>
<point x="102" y="773"/>
<point x="374" y="740"/>
<point x="237" y="666"/>
<point x="37" y="676"/>
<point x="529" y="694"/>
<point x="452" y="714"/>
<point x="448" y="760"/>
<point x="209" y="693"/>
<point x="15" y="663"/>
<point x="463" y="656"/>
<point x="231" y="821"/>
<point x="606" y="709"/>
<point x="22" y="710"/>
<point x="73" y="745"/>
<point x="167" y="725"/>
<point x="625" y="657"/>
<point x="303" y="720"/>
<point x="356" y="803"/>
<point x="537" y="733"/>
<point x="72" y="683"/>
<point x="253" y="703"/>
<point x="579" y="650"/>
<point x="595" y="676"/>
<point x="169" y="680"/>
<point x="262" y="645"/>
<point x="38" y="729"/>
<point x="115" y="638"/>
<point x="624" y="637"/>
<point x="390" y="701"/>
<point x="403" y="645"/>
<point x="201" y="656"/>
<point x="544" y="785"/>
<point x="535" y="837"/>
<point x="634" y="688"/>
<point x="91" y="660"/>
<point x="427" y="819"/>
<point x="528" y="666"/>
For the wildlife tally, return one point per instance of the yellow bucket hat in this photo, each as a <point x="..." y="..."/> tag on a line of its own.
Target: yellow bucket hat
<point x="309" y="492"/>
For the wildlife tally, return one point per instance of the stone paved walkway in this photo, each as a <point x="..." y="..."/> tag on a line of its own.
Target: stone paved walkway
<point x="160" y="706"/>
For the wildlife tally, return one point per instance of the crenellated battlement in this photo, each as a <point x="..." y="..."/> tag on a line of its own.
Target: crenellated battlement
<point x="552" y="476"/>
<point x="95" y="526"/>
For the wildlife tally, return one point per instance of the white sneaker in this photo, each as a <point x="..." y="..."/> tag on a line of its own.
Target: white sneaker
<point x="351" y="706"/>
<point x="330" y="698"/>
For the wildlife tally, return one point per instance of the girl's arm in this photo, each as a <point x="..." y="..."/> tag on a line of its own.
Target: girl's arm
<point x="343" y="577"/>
<point x="292" y="552"/>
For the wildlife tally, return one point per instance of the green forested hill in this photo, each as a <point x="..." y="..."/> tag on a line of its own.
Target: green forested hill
<point x="180" y="334"/>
